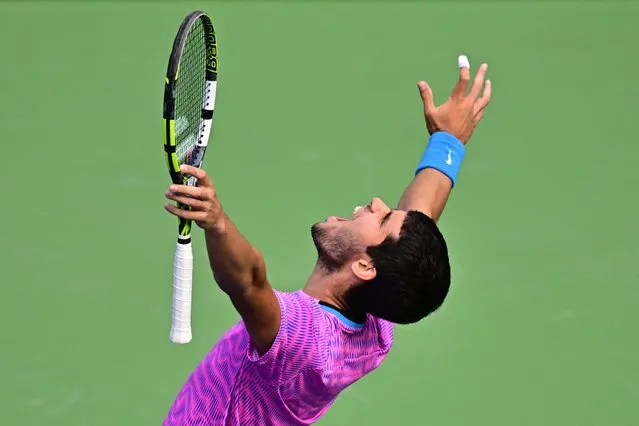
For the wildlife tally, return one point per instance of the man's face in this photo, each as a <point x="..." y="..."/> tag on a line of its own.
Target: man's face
<point x="340" y="240"/>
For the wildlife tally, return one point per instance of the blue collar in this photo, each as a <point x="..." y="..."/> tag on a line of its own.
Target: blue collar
<point x="340" y="315"/>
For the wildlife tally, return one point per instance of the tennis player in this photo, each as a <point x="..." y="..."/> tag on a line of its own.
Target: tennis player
<point x="292" y="353"/>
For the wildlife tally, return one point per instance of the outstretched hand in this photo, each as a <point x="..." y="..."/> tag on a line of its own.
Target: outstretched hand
<point x="461" y="113"/>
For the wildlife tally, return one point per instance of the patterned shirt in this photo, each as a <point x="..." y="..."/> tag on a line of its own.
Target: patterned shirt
<point x="317" y="353"/>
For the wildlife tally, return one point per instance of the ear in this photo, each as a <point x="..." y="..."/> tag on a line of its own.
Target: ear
<point x="364" y="269"/>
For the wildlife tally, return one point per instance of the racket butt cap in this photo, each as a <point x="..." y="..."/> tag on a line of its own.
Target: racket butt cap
<point x="180" y="337"/>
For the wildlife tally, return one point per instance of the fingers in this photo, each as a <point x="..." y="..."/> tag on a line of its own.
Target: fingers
<point x="485" y="98"/>
<point x="203" y="179"/>
<point x="193" y="196"/>
<point x="478" y="83"/>
<point x="185" y="214"/>
<point x="460" y="89"/>
<point x="427" y="97"/>
<point x="194" y="203"/>
<point x="191" y="191"/>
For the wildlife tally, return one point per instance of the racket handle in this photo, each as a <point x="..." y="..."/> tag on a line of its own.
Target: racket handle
<point x="182" y="292"/>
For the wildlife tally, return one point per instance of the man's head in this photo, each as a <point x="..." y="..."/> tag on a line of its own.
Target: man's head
<point x="398" y="261"/>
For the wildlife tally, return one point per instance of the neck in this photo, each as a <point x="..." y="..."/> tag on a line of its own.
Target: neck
<point x="328" y="287"/>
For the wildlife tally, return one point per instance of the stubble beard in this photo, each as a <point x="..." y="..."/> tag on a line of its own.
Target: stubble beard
<point x="333" y="251"/>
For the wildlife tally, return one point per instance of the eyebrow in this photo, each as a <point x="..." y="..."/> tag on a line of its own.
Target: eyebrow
<point x="385" y="219"/>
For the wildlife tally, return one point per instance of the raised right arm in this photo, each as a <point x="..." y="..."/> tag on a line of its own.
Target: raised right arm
<point x="238" y="267"/>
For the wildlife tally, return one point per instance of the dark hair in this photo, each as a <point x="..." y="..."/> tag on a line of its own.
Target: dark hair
<point x="413" y="274"/>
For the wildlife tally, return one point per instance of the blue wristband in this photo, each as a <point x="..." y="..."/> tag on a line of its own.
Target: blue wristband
<point x="444" y="153"/>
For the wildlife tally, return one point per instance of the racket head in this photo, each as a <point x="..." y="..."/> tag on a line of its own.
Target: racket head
<point x="189" y="97"/>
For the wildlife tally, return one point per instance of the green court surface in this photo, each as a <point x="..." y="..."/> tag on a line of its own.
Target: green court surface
<point x="318" y="112"/>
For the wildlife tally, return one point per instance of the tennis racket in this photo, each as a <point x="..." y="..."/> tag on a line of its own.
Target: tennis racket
<point x="189" y="101"/>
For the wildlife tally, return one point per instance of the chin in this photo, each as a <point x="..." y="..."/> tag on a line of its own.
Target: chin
<point x="318" y="232"/>
<point x="333" y="252"/>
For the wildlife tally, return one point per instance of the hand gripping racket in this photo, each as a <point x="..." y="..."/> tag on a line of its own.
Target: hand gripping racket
<point x="189" y="100"/>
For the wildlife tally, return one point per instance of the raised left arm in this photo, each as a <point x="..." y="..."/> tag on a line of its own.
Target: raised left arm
<point x="428" y="193"/>
<point x="450" y="125"/>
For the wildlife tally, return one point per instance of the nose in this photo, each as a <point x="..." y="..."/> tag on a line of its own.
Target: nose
<point x="377" y="205"/>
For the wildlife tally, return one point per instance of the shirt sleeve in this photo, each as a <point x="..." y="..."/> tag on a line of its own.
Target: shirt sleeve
<point x="295" y="347"/>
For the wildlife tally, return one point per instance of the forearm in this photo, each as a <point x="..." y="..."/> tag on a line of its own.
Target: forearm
<point x="428" y="193"/>
<point x="435" y="177"/>
<point x="236" y="264"/>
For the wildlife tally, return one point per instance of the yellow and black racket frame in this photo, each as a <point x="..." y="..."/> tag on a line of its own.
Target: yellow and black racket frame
<point x="172" y="76"/>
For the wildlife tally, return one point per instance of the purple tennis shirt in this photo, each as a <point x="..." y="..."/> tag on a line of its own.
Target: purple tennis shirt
<point x="316" y="354"/>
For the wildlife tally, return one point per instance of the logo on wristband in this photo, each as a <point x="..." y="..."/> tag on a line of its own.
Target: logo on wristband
<point x="449" y="160"/>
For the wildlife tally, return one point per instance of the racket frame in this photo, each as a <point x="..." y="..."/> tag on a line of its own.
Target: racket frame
<point x="181" y="332"/>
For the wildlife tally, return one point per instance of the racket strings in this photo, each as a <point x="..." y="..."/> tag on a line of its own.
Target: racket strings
<point x="189" y="92"/>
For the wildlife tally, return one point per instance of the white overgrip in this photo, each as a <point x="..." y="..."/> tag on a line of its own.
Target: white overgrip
<point x="182" y="293"/>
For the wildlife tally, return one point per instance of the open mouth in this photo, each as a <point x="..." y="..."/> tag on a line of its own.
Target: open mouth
<point x="342" y="219"/>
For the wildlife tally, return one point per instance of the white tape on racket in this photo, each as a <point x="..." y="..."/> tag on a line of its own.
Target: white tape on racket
<point x="182" y="294"/>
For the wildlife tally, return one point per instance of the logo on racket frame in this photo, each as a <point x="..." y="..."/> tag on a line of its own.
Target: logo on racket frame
<point x="211" y="43"/>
